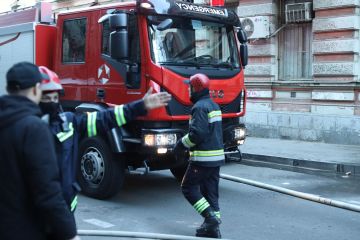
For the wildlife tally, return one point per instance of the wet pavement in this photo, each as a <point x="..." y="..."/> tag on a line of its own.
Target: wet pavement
<point x="154" y="203"/>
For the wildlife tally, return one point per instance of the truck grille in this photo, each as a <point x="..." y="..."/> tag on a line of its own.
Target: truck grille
<point x="175" y="108"/>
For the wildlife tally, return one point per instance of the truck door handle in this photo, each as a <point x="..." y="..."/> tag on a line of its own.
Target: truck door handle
<point x="100" y="93"/>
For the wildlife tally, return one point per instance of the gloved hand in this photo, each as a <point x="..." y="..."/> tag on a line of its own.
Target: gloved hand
<point x="179" y="148"/>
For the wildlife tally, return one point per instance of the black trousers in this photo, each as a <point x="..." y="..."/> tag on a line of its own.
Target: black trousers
<point x="201" y="182"/>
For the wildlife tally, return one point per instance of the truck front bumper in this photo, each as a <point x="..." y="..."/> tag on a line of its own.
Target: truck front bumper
<point x="161" y="142"/>
<point x="234" y="136"/>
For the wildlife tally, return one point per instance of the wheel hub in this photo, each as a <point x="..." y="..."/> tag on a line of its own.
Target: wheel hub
<point x="92" y="166"/>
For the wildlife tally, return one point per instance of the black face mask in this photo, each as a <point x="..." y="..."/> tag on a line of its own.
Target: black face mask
<point x="51" y="108"/>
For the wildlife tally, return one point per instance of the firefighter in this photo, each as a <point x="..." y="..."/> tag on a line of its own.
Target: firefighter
<point x="204" y="141"/>
<point x="67" y="127"/>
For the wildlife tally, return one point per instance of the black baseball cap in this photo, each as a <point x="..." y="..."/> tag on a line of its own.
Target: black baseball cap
<point x="23" y="75"/>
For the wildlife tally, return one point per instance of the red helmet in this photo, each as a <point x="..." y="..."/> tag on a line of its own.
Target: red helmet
<point x="52" y="83"/>
<point x="199" y="82"/>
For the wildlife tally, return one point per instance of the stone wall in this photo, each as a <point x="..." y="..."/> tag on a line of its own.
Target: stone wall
<point x="325" y="108"/>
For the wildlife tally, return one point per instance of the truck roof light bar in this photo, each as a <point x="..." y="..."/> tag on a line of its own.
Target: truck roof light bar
<point x="146" y="5"/>
<point x="217" y="3"/>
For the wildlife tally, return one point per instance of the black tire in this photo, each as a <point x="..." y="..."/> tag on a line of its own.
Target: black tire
<point x="99" y="174"/>
<point x="179" y="172"/>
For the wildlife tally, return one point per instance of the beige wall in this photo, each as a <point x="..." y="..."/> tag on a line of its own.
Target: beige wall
<point x="333" y="90"/>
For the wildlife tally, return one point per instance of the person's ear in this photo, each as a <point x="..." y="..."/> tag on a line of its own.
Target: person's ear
<point x="37" y="90"/>
<point x="34" y="90"/>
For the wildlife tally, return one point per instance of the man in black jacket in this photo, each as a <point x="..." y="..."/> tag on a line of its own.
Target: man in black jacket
<point x="31" y="197"/>
<point x="200" y="184"/>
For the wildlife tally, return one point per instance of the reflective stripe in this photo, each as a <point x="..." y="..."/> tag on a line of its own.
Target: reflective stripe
<point x="73" y="204"/>
<point x="201" y="205"/>
<point x="215" y="119"/>
<point x="206" y="156"/>
<point x="214" y="114"/>
<point x="207" y="153"/>
<point x="62" y="136"/>
<point x="207" y="159"/>
<point x="217" y="214"/>
<point x="186" y="141"/>
<point x="91" y="124"/>
<point x="119" y="115"/>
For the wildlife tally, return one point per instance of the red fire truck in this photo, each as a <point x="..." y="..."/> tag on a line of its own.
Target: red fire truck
<point x="112" y="54"/>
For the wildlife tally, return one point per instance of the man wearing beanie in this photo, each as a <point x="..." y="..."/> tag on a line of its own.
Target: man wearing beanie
<point x="31" y="198"/>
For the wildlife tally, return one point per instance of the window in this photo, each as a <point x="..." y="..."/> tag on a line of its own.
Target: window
<point x="295" y="48"/>
<point x="193" y="42"/>
<point x="134" y="41"/>
<point x="73" y="43"/>
<point x="105" y="38"/>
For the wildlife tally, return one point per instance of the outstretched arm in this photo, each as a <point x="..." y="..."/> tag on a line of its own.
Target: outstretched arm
<point x="94" y="122"/>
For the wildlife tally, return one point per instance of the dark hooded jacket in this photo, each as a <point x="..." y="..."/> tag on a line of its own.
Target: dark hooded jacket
<point x="30" y="190"/>
<point x="205" y="139"/>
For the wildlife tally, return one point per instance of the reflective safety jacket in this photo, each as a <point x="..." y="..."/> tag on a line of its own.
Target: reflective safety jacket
<point x="205" y="139"/>
<point x="70" y="127"/>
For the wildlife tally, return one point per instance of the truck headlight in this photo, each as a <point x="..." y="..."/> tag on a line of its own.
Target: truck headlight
<point x="239" y="133"/>
<point x="163" y="139"/>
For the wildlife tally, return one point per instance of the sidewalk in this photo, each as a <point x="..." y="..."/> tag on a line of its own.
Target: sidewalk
<point x="313" y="155"/>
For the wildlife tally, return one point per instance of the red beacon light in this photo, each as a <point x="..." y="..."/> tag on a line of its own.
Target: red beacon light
<point x="217" y="3"/>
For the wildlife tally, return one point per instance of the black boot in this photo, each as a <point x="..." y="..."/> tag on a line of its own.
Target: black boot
<point x="210" y="226"/>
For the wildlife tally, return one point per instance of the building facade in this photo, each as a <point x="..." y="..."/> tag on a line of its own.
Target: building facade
<point x="303" y="73"/>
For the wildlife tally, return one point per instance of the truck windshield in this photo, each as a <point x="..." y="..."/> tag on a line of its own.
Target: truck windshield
<point x="192" y="42"/>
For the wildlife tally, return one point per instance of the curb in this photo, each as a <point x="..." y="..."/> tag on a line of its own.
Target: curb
<point x="335" y="167"/>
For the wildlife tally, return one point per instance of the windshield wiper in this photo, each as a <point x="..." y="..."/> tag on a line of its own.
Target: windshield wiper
<point x="223" y="65"/>
<point x="181" y="63"/>
<point x="199" y="65"/>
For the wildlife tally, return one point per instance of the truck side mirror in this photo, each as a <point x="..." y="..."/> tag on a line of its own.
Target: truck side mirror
<point x="244" y="54"/>
<point x="119" y="38"/>
<point x="165" y="24"/>
<point x="242" y="36"/>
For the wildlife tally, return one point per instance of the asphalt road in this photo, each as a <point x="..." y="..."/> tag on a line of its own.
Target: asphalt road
<point x="154" y="203"/>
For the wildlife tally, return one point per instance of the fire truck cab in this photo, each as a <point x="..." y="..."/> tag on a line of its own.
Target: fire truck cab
<point x="112" y="54"/>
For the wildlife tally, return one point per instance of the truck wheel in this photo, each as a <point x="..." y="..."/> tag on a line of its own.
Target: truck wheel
<point x="179" y="172"/>
<point x="99" y="174"/>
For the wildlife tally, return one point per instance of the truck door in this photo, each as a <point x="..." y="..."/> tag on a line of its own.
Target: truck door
<point x="74" y="56"/>
<point x="118" y="81"/>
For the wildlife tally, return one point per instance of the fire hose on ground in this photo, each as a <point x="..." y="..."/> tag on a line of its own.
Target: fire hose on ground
<point x="143" y="235"/>
<point x="306" y="196"/>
